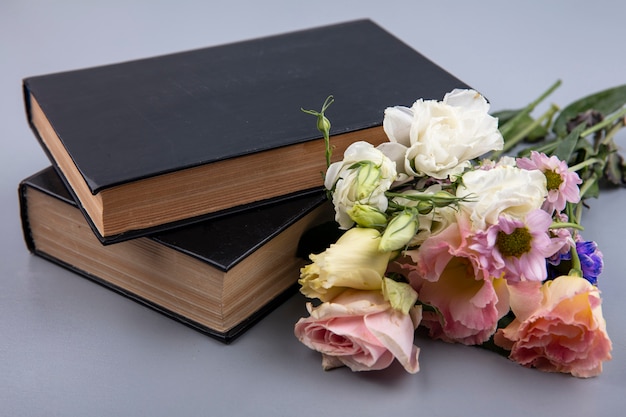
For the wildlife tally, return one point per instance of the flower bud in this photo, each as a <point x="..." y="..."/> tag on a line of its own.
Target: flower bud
<point x="443" y="199"/>
<point x="424" y="207"/>
<point x="367" y="179"/>
<point x="399" y="232"/>
<point x="367" y="216"/>
<point x="323" y="124"/>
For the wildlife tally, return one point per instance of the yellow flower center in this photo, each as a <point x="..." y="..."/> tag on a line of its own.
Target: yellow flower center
<point x="553" y="180"/>
<point x="515" y="244"/>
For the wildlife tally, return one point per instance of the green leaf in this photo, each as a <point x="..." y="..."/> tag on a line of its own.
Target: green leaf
<point x="587" y="148"/>
<point x="605" y="102"/>
<point x="504" y="116"/>
<point x="566" y="147"/>
<point x="593" y="191"/>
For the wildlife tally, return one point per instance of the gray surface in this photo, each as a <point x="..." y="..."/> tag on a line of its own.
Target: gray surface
<point x="69" y="347"/>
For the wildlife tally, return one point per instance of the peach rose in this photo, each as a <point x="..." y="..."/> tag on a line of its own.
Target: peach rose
<point x="558" y="327"/>
<point x="360" y="330"/>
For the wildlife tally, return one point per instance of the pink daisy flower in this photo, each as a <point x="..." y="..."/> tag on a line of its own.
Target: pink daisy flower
<point x="561" y="183"/>
<point x="514" y="249"/>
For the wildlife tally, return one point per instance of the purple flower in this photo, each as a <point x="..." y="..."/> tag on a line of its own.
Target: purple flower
<point x="590" y="260"/>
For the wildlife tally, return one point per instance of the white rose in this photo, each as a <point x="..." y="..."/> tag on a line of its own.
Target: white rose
<point x="362" y="177"/>
<point x="503" y="189"/>
<point x="442" y="137"/>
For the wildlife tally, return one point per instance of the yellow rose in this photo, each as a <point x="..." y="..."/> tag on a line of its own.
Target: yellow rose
<point x="354" y="261"/>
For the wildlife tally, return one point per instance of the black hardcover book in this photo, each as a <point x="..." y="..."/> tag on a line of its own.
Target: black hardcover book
<point x="153" y="143"/>
<point x="218" y="276"/>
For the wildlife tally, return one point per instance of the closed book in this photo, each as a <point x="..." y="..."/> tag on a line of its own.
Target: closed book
<point x="152" y="143"/>
<point x="218" y="276"/>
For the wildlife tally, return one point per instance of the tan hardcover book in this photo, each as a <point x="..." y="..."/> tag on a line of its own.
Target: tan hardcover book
<point x="218" y="276"/>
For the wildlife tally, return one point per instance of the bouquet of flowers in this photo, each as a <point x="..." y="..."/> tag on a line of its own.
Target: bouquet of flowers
<point x="444" y="230"/>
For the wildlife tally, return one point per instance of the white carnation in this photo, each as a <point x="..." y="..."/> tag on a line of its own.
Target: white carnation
<point x="442" y="137"/>
<point x="501" y="190"/>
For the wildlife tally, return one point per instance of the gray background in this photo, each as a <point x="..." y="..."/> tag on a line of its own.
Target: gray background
<point x="69" y="347"/>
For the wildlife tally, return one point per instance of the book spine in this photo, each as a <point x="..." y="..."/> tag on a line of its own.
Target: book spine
<point x="23" y="202"/>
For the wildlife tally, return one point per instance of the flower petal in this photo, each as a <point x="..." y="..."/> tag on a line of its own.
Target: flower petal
<point x="397" y="124"/>
<point x="396" y="332"/>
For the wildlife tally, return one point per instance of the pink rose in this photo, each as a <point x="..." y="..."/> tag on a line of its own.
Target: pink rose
<point x="360" y="330"/>
<point x="558" y="327"/>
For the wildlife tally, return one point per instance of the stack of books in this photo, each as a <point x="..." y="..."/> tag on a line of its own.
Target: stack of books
<point x="187" y="181"/>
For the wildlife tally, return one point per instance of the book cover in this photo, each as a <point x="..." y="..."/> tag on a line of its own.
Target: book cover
<point x="152" y="143"/>
<point x="219" y="276"/>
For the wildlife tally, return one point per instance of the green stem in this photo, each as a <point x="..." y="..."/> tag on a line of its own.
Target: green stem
<point x="323" y="125"/>
<point x="576" y="269"/>
<point x="546" y="148"/>
<point x="439" y="199"/>
<point x="578" y="213"/>
<point x="613" y="131"/>
<point x="566" y="225"/>
<point x="510" y="143"/>
<point x="529" y="128"/>
<point x="583" y="190"/>
<point x="326" y="129"/>
<point x="583" y="164"/>
<point x="508" y="126"/>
